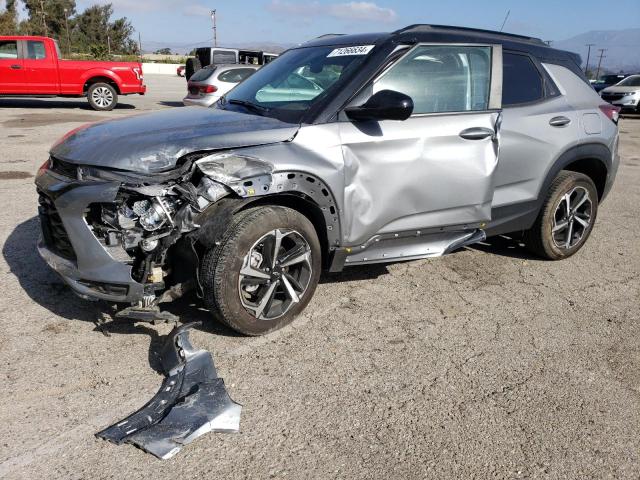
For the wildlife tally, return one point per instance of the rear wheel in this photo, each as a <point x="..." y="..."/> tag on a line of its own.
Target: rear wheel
<point x="265" y="270"/>
<point x="102" y="97"/>
<point x="566" y="219"/>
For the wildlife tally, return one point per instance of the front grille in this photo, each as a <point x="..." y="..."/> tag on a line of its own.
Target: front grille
<point x="53" y="232"/>
<point x="63" y="168"/>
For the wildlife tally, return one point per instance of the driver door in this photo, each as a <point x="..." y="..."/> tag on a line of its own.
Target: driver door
<point x="435" y="169"/>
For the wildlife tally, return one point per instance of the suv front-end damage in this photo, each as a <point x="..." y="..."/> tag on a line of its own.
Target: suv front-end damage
<point x="125" y="237"/>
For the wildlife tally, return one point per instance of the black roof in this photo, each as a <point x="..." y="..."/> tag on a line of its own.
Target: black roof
<point x="443" y="33"/>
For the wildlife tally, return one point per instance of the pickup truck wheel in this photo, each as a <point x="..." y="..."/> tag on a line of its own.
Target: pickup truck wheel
<point x="566" y="219"/>
<point x="102" y="96"/>
<point x="264" y="271"/>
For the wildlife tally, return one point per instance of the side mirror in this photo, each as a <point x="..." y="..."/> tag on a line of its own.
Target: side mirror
<point x="384" y="105"/>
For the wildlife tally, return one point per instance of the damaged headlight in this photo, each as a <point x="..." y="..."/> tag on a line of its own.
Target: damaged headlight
<point x="230" y="168"/>
<point x="154" y="214"/>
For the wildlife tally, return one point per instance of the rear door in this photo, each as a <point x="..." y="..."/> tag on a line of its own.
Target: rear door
<point x="41" y="67"/>
<point x="12" y="78"/>
<point x="437" y="168"/>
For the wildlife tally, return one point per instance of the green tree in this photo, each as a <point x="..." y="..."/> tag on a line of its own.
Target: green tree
<point x="163" y="51"/>
<point x="94" y="27"/>
<point x="48" y="17"/>
<point x="8" y="19"/>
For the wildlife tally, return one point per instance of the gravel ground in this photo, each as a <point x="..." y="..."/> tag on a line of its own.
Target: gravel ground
<point x="485" y="363"/>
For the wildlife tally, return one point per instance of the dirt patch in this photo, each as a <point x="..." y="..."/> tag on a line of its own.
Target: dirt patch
<point x="44" y="119"/>
<point x="13" y="175"/>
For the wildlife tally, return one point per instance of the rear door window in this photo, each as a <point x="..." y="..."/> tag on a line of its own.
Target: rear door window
<point x="236" y="75"/>
<point x="8" y="50"/>
<point x="35" y="50"/>
<point x="522" y="82"/>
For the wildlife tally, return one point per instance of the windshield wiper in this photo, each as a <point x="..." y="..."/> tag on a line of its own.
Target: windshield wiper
<point x="250" y="106"/>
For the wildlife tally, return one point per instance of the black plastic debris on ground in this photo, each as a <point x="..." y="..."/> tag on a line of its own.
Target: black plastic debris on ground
<point x="191" y="402"/>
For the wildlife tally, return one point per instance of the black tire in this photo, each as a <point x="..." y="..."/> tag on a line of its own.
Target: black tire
<point x="102" y="97"/>
<point x="221" y="269"/>
<point x="192" y="65"/>
<point x="541" y="238"/>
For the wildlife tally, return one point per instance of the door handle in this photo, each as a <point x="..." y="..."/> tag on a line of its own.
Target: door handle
<point x="477" y="133"/>
<point x="559" y="121"/>
<point x="16" y="67"/>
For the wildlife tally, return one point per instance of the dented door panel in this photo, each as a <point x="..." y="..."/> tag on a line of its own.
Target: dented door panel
<point x="422" y="175"/>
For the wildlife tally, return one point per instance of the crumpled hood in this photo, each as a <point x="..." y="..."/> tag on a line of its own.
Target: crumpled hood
<point x="154" y="142"/>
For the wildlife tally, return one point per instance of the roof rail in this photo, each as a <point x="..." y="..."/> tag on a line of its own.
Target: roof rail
<point x="330" y="35"/>
<point x="418" y="27"/>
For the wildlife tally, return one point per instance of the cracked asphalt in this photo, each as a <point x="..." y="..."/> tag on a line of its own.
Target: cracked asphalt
<point x="488" y="363"/>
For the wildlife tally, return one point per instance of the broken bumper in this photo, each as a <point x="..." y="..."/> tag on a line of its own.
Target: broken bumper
<point x="69" y="246"/>
<point x="192" y="401"/>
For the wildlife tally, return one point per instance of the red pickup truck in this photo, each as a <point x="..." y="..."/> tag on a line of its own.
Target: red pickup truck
<point x="33" y="66"/>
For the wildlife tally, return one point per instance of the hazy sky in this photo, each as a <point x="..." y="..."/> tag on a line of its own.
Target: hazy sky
<point x="285" y="21"/>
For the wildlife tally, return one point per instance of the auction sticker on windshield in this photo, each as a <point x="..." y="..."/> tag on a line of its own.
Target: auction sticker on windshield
<point x="355" y="50"/>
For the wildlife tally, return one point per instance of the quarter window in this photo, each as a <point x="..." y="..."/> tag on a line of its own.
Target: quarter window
<point x="35" y="50"/>
<point x="522" y="82"/>
<point x="8" y="50"/>
<point x="442" y="78"/>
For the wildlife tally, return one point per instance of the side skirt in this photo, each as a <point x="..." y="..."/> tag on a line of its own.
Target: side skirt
<point x="386" y="249"/>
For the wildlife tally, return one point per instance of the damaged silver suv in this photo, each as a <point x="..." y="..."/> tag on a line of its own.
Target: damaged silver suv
<point x="347" y="150"/>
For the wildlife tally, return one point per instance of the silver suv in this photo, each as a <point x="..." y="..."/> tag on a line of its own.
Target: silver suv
<point x="347" y="150"/>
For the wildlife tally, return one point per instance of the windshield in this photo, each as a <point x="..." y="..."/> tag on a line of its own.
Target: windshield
<point x="289" y="86"/>
<point x="610" y="79"/>
<point x="633" y="81"/>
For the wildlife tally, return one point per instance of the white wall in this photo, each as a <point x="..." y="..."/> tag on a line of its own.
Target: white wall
<point x="159" y="68"/>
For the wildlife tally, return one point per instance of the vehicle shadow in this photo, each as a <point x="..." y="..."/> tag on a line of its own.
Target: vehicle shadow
<point x="79" y="103"/>
<point x="170" y="104"/>
<point x="45" y="288"/>
<point x="505" y="246"/>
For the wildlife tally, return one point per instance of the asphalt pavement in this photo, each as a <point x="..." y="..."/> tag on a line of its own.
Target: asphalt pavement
<point x="488" y="363"/>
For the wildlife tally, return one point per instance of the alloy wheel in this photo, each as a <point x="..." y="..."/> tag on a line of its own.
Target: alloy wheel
<point x="102" y="96"/>
<point x="572" y="218"/>
<point x="275" y="274"/>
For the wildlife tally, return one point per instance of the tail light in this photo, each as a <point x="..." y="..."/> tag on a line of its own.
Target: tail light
<point x="208" y="89"/>
<point x="611" y="111"/>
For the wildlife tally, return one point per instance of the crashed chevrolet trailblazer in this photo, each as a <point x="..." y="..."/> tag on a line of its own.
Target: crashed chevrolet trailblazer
<point x="347" y="150"/>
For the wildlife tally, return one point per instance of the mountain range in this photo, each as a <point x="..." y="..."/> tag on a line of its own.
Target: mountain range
<point x="622" y="48"/>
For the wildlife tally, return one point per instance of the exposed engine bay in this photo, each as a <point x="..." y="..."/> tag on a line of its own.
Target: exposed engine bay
<point x="147" y="220"/>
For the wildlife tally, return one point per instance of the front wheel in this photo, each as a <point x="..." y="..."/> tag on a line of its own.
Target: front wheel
<point x="566" y="219"/>
<point x="264" y="271"/>
<point x="102" y="97"/>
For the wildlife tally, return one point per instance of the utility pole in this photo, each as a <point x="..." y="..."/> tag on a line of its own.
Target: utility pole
<point x="215" y="28"/>
<point x="140" y="46"/>
<point x="109" y="44"/>
<point x="586" y="69"/>
<point x="601" y="50"/>
<point x="66" y="23"/>
<point x="44" y="19"/>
